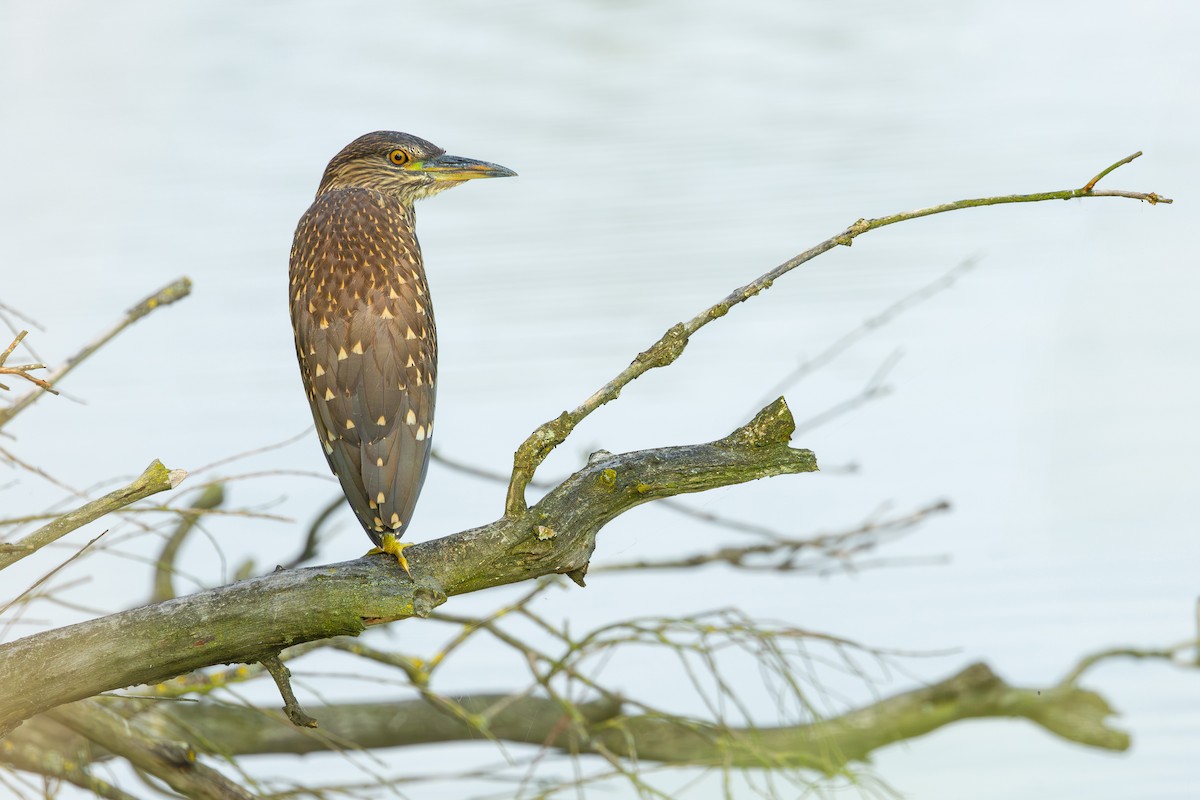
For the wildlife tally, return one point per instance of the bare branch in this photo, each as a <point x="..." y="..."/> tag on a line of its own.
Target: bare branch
<point x="283" y="680"/>
<point x="21" y="371"/>
<point x="246" y="621"/>
<point x="312" y="539"/>
<point x="868" y="326"/>
<point x="173" y="763"/>
<point x="156" y="478"/>
<point x="416" y="672"/>
<point x="48" y="761"/>
<point x="1090" y="185"/>
<point x="242" y="731"/>
<point x="1171" y="655"/>
<point x="534" y="450"/>
<point x="875" y="389"/>
<point x="212" y="497"/>
<point x="603" y="726"/>
<point x="28" y="595"/>
<point x="163" y="297"/>
<point x="782" y="554"/>
<point x="277" y="616"/>
<point x="826" y="745"/>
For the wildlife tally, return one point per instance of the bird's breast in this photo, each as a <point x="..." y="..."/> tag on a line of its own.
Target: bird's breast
<point x="368" y="348"/>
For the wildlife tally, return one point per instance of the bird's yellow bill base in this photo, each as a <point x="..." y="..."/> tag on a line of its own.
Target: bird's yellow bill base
<point x="393" y="548"/>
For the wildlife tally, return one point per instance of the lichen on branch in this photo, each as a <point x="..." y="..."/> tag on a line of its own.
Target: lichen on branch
<point x="250" y="620"/>
<point x="535" y="449"/>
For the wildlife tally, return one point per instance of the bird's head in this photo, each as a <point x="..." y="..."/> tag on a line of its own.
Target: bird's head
<point x="403" y="166"/>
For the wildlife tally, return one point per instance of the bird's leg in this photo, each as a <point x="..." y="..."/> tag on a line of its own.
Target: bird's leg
<point x="389" y="545"/>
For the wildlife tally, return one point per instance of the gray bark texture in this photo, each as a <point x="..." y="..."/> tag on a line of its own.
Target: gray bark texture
<point x="247" y="621"/>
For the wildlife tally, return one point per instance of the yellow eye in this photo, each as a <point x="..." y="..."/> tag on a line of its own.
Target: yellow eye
<point x="399" y="157"/>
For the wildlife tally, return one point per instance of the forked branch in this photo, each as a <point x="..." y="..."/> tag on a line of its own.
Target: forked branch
<point x="535" y="449"/>
<point x="22" y="370"/>
<point x="156" y="478"/>
<point x="251" y="620"/>
<point x="163" y="297"/>
<point x="827" y="745"/>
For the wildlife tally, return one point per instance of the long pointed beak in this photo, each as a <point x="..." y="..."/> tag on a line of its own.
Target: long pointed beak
<point x="457" y="168"/>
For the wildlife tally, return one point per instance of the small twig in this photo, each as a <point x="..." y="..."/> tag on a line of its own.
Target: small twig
<point x="538" y="446"/>
<point x="156" y="478"/>
<point x="416" y="671"/>
<point x="532" y="655"/>
<point x="875" y="388"/>
<point x="34" y="469"/>
<point x="204" y="682"/>
<point x="1171" y="654"/>
<point x="838" y="546"/>
<point x="164" y="569"/>
<point x="477" y="471"/>
<point x="16" y="341"/>
<point x="267" y="448"/>
<point x="1090" y="185"/>
<point x="22" y="370"/>
<point x="173" y="763"/>
<point x="291" y="706"/>
<point x="163" y="297"/>
<point x="313" y="537"/>
<point x="33" y="323"/>
<point x="50" y="764"/>
<point x="470" y="628"/>
<point x="28" y="593"/>
<point x="73" y="490"/>
<point x="868" y="326"/>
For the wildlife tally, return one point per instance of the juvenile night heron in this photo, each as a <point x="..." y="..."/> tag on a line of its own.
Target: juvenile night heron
<point x="364" y="322"/>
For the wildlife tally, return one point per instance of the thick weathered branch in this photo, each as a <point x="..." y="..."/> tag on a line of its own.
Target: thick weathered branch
<point x="1074" y="714"/>
<point x="248" y="620"/>
<point x="233" y="730"/>
<point x="47" y="759"/>
<point x="534" y="450"/>
<point x="174" y="764"/>
<point x="1067" y="711"/>
<point x="155" y="479"/>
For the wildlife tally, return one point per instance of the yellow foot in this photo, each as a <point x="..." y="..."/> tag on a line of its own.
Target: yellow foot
<point x="393" y="548"/>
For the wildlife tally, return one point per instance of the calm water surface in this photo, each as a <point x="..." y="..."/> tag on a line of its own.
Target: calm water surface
<point x="669" y="152"/>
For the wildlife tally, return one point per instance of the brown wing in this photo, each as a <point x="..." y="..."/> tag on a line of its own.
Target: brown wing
<point x="367" y="346"/>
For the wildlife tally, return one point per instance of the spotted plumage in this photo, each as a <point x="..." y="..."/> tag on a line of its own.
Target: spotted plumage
<point x="363" y="321"/>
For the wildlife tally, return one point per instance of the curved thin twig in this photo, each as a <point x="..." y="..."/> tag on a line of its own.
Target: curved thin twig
<point x="163" y="297"/>
<point x="164" y="570"/>
<point x="538" y="446"/>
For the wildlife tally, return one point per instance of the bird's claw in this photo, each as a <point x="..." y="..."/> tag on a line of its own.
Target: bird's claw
<point x="389" y="545"/>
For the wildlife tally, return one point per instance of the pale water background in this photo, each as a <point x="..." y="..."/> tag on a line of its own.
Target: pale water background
<point x="668" y="152"/>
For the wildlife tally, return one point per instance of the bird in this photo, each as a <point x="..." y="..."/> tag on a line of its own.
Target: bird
<point x="363" y="322"/>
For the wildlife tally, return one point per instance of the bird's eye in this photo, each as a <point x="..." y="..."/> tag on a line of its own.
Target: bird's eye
<point x="399" y="157"/>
